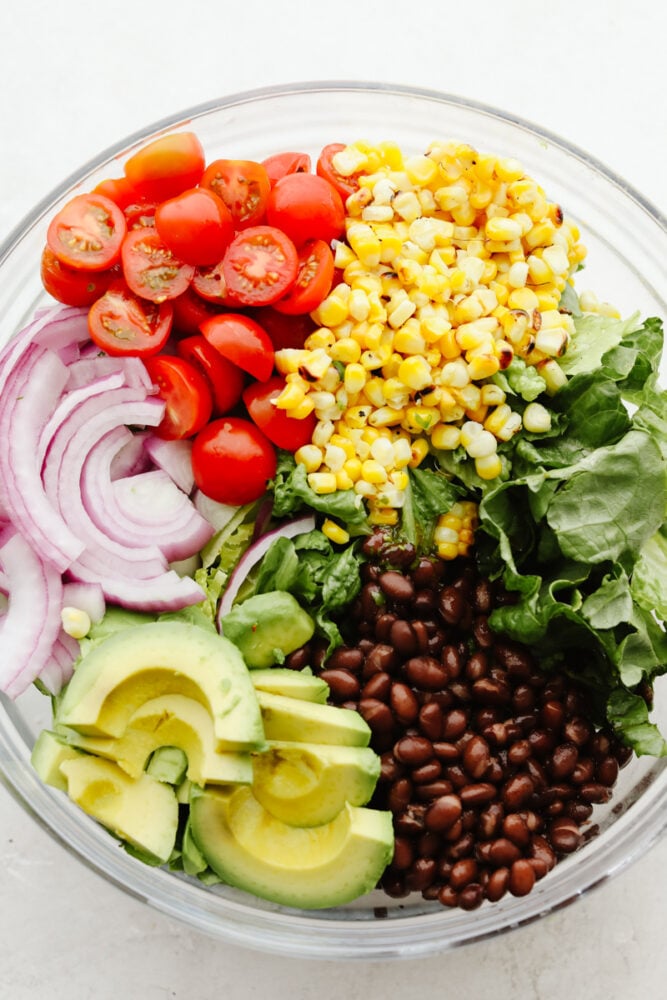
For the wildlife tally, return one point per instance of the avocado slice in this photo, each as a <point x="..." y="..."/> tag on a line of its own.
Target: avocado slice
<point x="302" y="684"/>
<point x="168" y="764"/>
<point x="137" y="664"/>
<point x="267" y="627"/>
<point x="304" y="784"/>
<point x="48" y="753"/>
<point x="309" y="722"/>
<point x="142" y="811"/>
<point x="172" y="720"/>
<point x="312" y="868"/>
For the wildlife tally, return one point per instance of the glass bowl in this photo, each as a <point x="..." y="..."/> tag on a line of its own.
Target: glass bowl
<point x="627" y="249"/>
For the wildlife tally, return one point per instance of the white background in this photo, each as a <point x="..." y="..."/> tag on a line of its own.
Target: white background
<point x="76" y="77"/>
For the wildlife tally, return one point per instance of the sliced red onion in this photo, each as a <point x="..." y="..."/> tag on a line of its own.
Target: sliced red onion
<point x="70" y="403"/>
<point x="60" y="666"/>
<point x="217" y="514"/>
<point x="131" y="458"/>
<point x="83" y="371"/>
<point x="166" y="592"/>
<point x="55" y="328"/>
<point x="32" y="621"/>
<point x="88" y="597"/>
<point x="174" y="458"/>
<point x="252" y="556"/>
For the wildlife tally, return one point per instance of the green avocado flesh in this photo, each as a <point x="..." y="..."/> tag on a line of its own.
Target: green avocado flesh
<point x="147" y="661"/>
<point x="267" y="627"/>
<point x="309" y="722"/>
<point x="308" y="867"/>
<point x="301" y="684"/>
<point x="304" y="784"/>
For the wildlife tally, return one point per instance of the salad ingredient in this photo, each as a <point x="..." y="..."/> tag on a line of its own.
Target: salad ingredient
<point x="266" y="627"/>
<point x="123" y="324"/>
<point x="142" y="811"/>
<point x="225" y="378"/>
<point x="260" y="265"/>
<point x="313" y="279"/>
<point x="186" y="394"/>
<point x="312" y="867"/>
<point x="87" y="233"/>
<point x="134" y="665"/>
<point x="306" y="207"/>
<point x="301" y="684"/>
<point x="168" y="764"/>
<point x="284" y="331"/>
<point x="279" y="164"/>
<point x="47" y="754"/>
<point x="285" y="431"/>
<point x="174" y="458"/>
<point x="304" y="784"/>
<point x="150" y="268"/>
<point x="119" y="190"/>
<point x="72" y="286"/>
<point x="191" y="309"/>
<point x="299" y="721"/>
<point x="196" y="226"/>
<point x="242" y="341"/>
<point x="166" y="166"/>
<point x="210" y="284"/>
<point x="346" y="184"/>
<point x="233" y="461"/>
<point x="242" y="185"/>
<point x="170" y="720"/>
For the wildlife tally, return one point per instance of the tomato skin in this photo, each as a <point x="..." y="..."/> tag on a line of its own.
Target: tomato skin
<point x="168" y="165"/>
<point x="118" y="189"/>
<point x="313" y="279"/>
<point x="284" y="431"/>
<point x="226" y="380"/>
<point x="325" y="168"/>
<point x="279" y="164"/>
<point x="233" y="461"/>
<point x="87" y="232"/>
<point x="242" y="185"/>
<point x="71" y="286"/>
<point x="190" y="311"/>
<point x="140" y="214"/>
<point x="242" y="341"/>
<point x="210" y="284"/>
<point x="306" y="207"/>
<point x="284" y="331"/>
<point x="150" y="269"/>
<point x="260" y="265"/>
<point x="188" y="400"/>
<point x="124" y="325"/>
<point x="196" y="225"/>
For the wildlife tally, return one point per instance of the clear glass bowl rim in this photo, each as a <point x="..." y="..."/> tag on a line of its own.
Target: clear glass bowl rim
<point x="287" y="933"/>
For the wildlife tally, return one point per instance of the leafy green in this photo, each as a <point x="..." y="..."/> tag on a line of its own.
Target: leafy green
<point x="292" y="494"/>
<point x="430" y="493"/>
<point x="520" y="379"/>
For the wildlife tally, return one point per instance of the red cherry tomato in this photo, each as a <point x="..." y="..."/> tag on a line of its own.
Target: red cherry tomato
<point x="306" y="207"/>
<point x="325" y="168"/>
<point x="190" y="311"/>
<point x="313" y="279"/>
<point x="209" y="282"/>
<point x="87" y="232"/>
<point x="150" y="268"/>
<point x="140" y="214"/>
<point x="233" y="461"/>
<point x="166" y="166"/>
<point x="73" y="287"/>
<point x="260" y="265"/>
<point x="196" y="226"/>
<point x="284" y="331"/>
<point x="226" y="380"/>
<point x="242" y="341"/>
<point x="188" y="401"/>
<point x="124" y="325"/>
<point x="118" y="189"/>
<point x="284" y="431"/>
<point x="243" y="185"/>
<point x="280" y="164"/>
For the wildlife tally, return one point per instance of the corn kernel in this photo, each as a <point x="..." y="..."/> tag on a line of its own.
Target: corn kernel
<point x="373" y="472"/>
<point x="536" y="418"/>
<point x="322" y="482"/>
<point x="419" y="451"/>
<point x="290" y="397"/>
<point x="445" y="437"/>
<point x="353" y="469"/>
<point x="383" y="516"/>
<point x="415" y="372"/>
<point x="335" y="532"/>
<point x="309" y="455"/>
<point x="302" y="409"/>
<point x="488" y="467"/>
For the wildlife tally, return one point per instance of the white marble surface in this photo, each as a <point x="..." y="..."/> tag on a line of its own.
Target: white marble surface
<point x="76" y="77"/>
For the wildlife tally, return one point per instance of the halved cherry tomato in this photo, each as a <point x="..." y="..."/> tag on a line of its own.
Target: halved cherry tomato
<point x="280" y="164"/>
<point x="226" y="380"/>
<point x="209" y="282"/>
<point x="325" y="168"/>
<point x="167" y="166"/>
<point x="124" y="325"/>
<point x="306" y="207"/>
<point x="233" y="461"/>
<point x="150" y="268"/>
<point x="71" y="286"/>
<point x="261" y="264"/>
<point x="87" y="232"/>
<point x="313" y="279"/>
<point x="188" y="400"/>
<point x="242" y="341"/>
<point x="243" y="185"/>
<point x="118" y="189"/>
<point x="190" y="311"/>
<point x="196" y="225"/>
<point x="140" y="214"/>
<point x="284" y="331"/>
<point x="284" y="431"/>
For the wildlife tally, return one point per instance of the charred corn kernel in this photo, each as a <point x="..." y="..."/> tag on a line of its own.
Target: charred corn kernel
<point x="488" y="466"/>
<point x="352" y="469"/>
<point x="335" y="532"/>
<point x="357" y="416"/>
<point x="523" y="298"/>
<point x="419" y="450"/>
<point x="497" y="419"/>
<point x="289" y="360"/>
<point x="290" y="397"/>
<point x="75" y="622"/>
<point x="372" y="472"/>
<point x="322" y="482"/>
<point x="536" y="418"/>
<point x="552" y="341"/>
<point x="309" y="455"/>
<point x="321" y="339"/>
<point x="322" y="433"/>
<point x="302" y="409"/>
<point x="445" y="437"/>
<point x="396" y="393"/>
<point x="415" y="372"/>
<point x="510" y="427"/>
<point x="355" y="377"/>
<point x="553" y="375"/>
<point x="491" y="394"/>
<point x="483" y="366"/>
